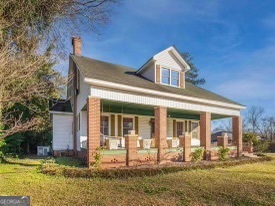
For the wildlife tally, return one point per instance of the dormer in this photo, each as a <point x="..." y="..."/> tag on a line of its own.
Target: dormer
<point x="167" y="68"/>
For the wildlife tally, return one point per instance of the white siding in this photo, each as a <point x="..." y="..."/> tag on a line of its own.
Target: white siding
<point x="144" y="129"/>
<point x="83" y="123"/>
<point x="167" y="59"/>
<point x="149" y="73"/>
<point x="84" y="92"/>
<point x="169" y="127"/>
<point x="62" y="132"/>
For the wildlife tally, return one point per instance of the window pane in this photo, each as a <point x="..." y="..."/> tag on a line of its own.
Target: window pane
<point x="165" y="76"/>
<point x="104" y="125"/>
<point x="174" y="78"/>
<point x="195" y="130"/>
<point x="180" y="128"/>
<point x="127" y="125"/>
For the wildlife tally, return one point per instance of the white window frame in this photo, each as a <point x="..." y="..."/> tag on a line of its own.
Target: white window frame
<point x="170" y="76"/>
<point x="130" y="117"/>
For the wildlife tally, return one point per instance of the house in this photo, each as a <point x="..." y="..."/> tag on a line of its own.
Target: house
<point x="150" y="113"/>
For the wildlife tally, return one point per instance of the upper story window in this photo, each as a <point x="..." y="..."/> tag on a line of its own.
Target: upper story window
<point x="170" y="77"/>
<point x="174" y="78"/>
<point x="165" y="76"/>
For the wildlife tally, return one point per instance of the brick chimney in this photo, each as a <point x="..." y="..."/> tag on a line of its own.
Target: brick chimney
<point x="77" y="46"/>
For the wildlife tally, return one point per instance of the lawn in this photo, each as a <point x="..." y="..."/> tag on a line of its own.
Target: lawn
<point x="251" y="184"/>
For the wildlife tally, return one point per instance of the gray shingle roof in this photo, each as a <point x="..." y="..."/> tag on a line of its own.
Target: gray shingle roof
<point x="100" y="70"/>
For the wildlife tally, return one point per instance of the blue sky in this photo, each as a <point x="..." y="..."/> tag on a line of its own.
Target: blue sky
<point x="232" y="42"/>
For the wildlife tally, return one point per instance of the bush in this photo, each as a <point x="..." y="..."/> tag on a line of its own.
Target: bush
<point x="261" y="146"/>
<point x="223" y="153"/>
<point x="197" y="155"/>
<point x="250" y="137"/>
<point x="124" y="173"/>
<point x="2" y="144"/>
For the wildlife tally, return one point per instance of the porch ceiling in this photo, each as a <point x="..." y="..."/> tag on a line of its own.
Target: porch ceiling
<point x="146" y="110"/>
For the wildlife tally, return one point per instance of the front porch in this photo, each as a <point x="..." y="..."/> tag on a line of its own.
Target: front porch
<point x="134" y="134"/>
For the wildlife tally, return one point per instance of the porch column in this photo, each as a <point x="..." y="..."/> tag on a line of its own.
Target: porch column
<point x="93" y="128"/>
<point x="237" y="134"/>
<point x="186" y="144"/>
<point x="205" y="130"/>
<point x="160" y="130"/>
<point x="131" y="147"/>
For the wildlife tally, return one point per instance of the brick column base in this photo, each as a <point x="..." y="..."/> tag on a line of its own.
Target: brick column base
<point x="186" y="143"/>
<point x="131" y="147"/>
<point x="222" y="140"/>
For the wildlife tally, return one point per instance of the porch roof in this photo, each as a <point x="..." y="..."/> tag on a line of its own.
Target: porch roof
<point x="100" y="70"/>
<point x="138" y="109"/>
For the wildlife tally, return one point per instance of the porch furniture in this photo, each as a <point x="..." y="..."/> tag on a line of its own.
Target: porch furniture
<point x="145" y="143"/>
<point x="172" y="142"/>
<point x="112" y="143"/>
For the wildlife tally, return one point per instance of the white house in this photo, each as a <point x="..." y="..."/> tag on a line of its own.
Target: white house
<point x="105" y="101"/>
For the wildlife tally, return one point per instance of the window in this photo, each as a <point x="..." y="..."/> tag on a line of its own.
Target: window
<point x="180" y="128"/>
<point x="195" y="130"/>
<point x="174" y="78"/>
<point x="165" y="76"/>
<point x="169" y="77"/>
<point x="127" y="125"/>
<point x="104" y="125"/>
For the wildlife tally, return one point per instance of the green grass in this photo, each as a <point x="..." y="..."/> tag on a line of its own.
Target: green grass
<point x="251" y="184"/>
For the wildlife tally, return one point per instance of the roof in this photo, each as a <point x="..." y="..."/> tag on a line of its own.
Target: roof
<point x="105" y="71"/>
<point x="172" y="49"/>
<point x="61" y="106"/>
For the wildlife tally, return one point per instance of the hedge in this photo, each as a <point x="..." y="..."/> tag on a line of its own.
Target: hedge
<point x="53" y="169"/>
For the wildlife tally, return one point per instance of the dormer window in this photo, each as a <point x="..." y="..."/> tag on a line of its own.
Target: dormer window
<point x="175" y="78"/>
<point x="165" y="76"/>
<point x="169" y="77"/>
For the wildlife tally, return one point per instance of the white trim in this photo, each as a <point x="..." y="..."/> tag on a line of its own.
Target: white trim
<point x="170" y="76"/>
<point x="154" y="58"/>
<point x="65" y="113"/>
<point x="153" y="92"/>
<point x="155" y="101"/>
<point x="175" y="52"/>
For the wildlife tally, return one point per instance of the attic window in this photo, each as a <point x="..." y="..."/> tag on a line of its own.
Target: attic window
<point x="170" y="77"/>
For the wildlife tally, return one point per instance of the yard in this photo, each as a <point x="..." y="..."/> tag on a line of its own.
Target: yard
<point x="251" y="184"/>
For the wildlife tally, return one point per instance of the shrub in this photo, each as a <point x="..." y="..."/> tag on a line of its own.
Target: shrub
<point x="124" y="173"/>
<point x="2" y="144"/>
<point x="223" y="153"/>
<point x="261" y="146"/>
<point x="197" y="155"/>
<point x="250" y="137"/>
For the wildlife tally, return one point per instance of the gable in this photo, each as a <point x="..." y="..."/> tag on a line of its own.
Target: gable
<point x="168" y="59"/>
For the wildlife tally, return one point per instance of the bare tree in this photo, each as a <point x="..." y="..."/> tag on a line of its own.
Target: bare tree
<point x="254" y="116"/>
<point x="31" y="41"/>
<point x="267" y="128"/>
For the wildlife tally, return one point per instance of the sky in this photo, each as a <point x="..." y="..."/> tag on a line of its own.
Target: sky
<point x="231" y="42"/>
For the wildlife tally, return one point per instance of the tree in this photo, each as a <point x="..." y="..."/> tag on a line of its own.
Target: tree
<point x="31" y="42"/>
<point x="192" y="76"/>
<point x="254" y="115"/>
